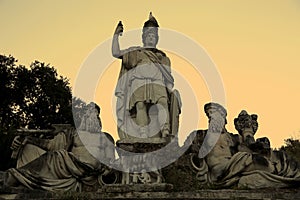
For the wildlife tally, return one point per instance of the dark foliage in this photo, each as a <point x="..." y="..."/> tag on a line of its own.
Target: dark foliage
<point x="292" y="148"/>
<point x="32" y="97"/>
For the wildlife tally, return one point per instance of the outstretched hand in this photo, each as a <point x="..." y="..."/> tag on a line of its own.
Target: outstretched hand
<point x="119" y="29"/>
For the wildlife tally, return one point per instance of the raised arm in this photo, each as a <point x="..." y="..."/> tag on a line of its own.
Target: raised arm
<point x="115" y="48"/>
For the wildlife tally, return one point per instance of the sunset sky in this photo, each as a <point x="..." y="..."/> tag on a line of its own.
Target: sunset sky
<point x="254" y="44"/>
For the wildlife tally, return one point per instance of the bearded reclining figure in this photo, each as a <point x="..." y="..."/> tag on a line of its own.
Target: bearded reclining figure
<point x="238" y="160"/>
<point x="67" y="162"/>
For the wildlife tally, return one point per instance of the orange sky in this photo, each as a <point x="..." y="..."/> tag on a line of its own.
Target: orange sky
<point x="255" y="45"/>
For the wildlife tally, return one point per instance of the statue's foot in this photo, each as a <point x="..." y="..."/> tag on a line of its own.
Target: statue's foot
<point x="165" y="133"/>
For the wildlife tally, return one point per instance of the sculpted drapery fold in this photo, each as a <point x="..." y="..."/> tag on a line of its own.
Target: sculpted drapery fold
<point x="144" y="76"/>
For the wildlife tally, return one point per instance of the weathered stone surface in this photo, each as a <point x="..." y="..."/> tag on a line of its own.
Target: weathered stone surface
<point x="121" y="188"/>
<point x="137" y="167"/>
<point x="183" y="175"/>
<point x="274" y="194"/>
<point x="141" y="145"/>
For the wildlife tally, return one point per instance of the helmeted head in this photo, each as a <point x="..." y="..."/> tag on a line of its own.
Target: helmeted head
<point x="150" y="32"/>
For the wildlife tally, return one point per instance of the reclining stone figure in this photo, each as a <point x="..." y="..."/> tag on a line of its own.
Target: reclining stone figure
<point x="240" y="160"/>
<point x="64" y="163"/>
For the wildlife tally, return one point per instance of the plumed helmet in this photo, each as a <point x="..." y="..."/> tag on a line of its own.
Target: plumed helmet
<point x="150" y="26"/>
<point x="151" y="22"/>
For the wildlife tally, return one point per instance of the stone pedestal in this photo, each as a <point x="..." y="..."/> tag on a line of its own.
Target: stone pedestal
<point x="163" y="191"/>
<point x="140" y="164"/>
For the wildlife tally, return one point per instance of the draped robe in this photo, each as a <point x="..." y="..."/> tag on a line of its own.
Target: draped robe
<point x="145" y="74"/>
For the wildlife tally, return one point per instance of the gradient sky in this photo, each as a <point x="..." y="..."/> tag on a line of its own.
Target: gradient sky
<point x="255" y="45"/>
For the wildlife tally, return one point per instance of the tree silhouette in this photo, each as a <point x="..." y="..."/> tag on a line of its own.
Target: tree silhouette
<point x="7" y="79"/>
<point x="292" y="148"/>
<point x="33" y="97"/>
<point x="48" y="98"/>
